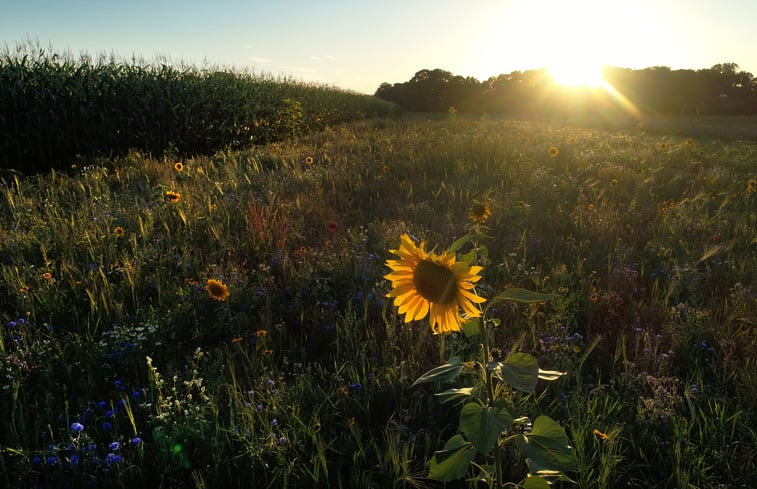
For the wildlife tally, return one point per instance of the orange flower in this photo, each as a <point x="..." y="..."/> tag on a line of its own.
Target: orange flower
<point x="236" y="340"/>
<point x="24" y="289"/>
<point x="309" y="160"/>
<point x="600" y="434"/>
<point x="261" y="333"/>
<point x="553" y="152"/>
<point x="47" y="275"/>
<point x="267" y="352"/>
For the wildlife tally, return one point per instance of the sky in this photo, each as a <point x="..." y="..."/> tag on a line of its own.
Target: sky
<point x="358" y="44"/>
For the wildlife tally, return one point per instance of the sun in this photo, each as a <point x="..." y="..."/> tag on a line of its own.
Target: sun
<point x="577" y="73"/>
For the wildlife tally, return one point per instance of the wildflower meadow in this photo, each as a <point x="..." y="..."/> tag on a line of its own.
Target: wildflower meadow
<point x="386" y="303"/>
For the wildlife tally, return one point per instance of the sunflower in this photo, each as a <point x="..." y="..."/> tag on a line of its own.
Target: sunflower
<point x="480" y="212"/>
<point x="309" y="160"/>
<point x="386" y="169"/>
<point x="118" y="232"/>
<point x="217" y="290"/>
<point x="426" y="283"/>
<point x="172" y="196"/>
<point x="553" y="152"/>
<point x="178" y="166"/>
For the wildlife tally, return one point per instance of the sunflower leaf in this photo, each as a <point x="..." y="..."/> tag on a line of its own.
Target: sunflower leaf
<point x="442" y="373"/>
<point x="471" y="327"/>
<point x="452" y="462"/>
<point x="519" y="370"/>
<point x="454" y="394"/>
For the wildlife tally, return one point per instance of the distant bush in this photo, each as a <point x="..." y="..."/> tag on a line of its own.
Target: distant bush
<point x="55" y="107"/>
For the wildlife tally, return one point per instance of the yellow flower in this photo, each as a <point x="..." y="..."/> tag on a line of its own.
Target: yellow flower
<point x="47" y="275"/>
<point x="261" y="333"/>
<point x="385" y="169"/>
<point x="309" y="160"/>
<point x="614" y="181"/>
<point x="480" y="212"/>
<point x="118" y="232"/>
<point x="689" y="142"/>
<point x="24" y="289"/>
<point x="178" y="166"/>
<point x="434" y="285"/>
<point x="553" y="152"/>
<point x="217" y="289"/>
<point x="751" y="186"/>
<point x="172" y="196"/>
<point x="663" y="146"/>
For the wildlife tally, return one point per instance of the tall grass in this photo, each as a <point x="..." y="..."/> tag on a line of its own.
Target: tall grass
<point x="301" y="377"/>
<point x="56" y="107"/>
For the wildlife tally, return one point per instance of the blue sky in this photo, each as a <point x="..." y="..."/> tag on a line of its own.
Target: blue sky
<point x="359" y="44"/>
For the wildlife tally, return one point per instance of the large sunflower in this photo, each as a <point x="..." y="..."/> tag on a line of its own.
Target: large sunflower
<point x="437" y="285"/>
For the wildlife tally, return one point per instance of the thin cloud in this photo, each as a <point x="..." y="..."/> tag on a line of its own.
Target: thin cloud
<point x="258" y="59"/>
<point x="298" y="69"/>
<point x="329" y="57"/>
<point x="315" y="58"/>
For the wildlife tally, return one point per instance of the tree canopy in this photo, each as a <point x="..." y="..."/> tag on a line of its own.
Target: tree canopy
<point x="721" y="89"/>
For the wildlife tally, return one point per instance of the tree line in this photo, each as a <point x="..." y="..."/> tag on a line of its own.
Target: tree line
<point x="721" y="89"/>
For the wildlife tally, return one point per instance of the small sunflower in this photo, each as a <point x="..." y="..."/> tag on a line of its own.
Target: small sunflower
<point x="434" y="285"/>
<point x="47" y="275"/>
<point x="24" y="289"/>
<point x="480" y="212"/>
<point x="118" y="232"/>
<point x="309" y="160"/>
<point x="553" y="152"/>
<point x="751" y="186"/>
<point x="217" y="290"/>
<point x="385" y="169"/>
<point x="178" y="166"/>
<point x="261" y="333"/>
<point x="172" y="196"/>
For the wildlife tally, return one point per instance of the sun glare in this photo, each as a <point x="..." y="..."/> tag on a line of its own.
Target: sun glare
<point x="577" y="74"/>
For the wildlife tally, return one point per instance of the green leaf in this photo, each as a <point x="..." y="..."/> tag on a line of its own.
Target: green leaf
<point x="459" y="243"/>
<point x="523" y="296"/>
<point x="535" y="482"/>
<point x="550" y="374"/>
<point x="547" y="447"/>
<point x="452" y="462"/>
<point x="483" y="425"/>
<point x="454" y="394"/>
<point x="471" y="327"/>
<point x="442" y="373"/>
<point x="520" y="371"/>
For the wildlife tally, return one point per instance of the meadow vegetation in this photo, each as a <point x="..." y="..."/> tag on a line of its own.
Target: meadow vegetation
<point x="222" y="321"/>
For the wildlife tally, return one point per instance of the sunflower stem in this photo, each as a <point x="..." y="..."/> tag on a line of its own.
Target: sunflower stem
<point x="486" y="354"/>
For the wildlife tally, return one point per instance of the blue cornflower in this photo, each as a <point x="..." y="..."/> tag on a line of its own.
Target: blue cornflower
<point x="282" y="440"/>
<point x="37" y="460"/>
<point x="106" y="426"/>
<point x="356" y="386"/>
<point x="136" y="440"/>
<point x="73" y="460"/>
<point x="114" y="446"/>
<point x="77" y="427"/>
<point x="51" y="460"/>
<point x="112" y="458"/>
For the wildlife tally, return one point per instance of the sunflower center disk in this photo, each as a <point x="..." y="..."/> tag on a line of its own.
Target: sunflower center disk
<point x="436" y="283"/>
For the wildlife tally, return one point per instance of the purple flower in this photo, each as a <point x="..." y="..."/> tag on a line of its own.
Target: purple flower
<point x="74" y="460"/>
<point x="106" y="426"/>
<point x="136" y="440"/>
<point x="77" y="427"/>
<point x="282" y="440"/>
<point x="275" y="422"/>
<point x="37" y="460"/>
<point x="51" y="460"/>
<point x="114" y="446"/>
